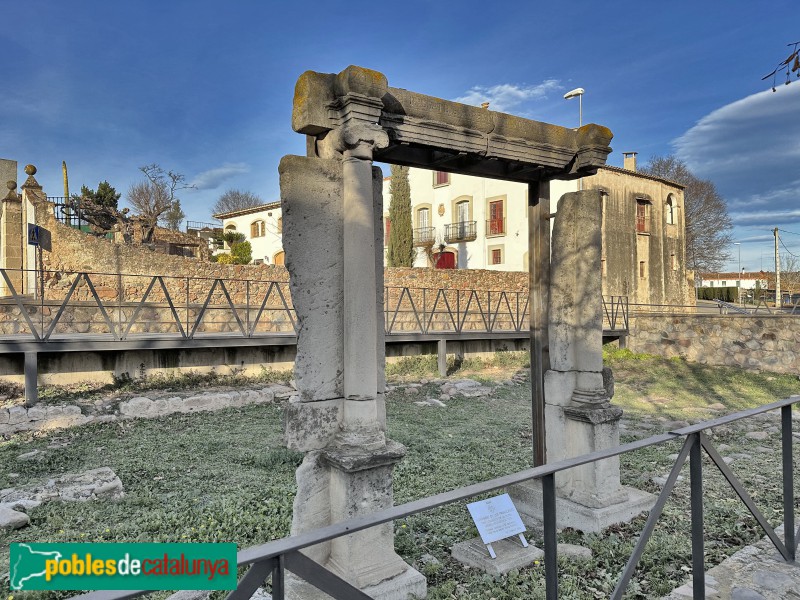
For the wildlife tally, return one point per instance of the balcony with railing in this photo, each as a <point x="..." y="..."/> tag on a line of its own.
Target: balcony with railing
<point x="495" y="227"/>
<point x="465" y="231"/>
<point x="424" y="236"/>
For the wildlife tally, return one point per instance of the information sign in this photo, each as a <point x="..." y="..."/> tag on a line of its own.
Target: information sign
<point x="33" y="234"/>
<point x="497" y="518"/>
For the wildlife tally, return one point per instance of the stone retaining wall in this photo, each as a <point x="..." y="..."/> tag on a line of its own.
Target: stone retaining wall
<point x="754" y="342"/>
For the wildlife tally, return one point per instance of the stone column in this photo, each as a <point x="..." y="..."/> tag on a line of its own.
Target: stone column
<point x="330" y="232"/>
<point x="579" y="415"/>
<point x="12" y="238"/>
<point x="361" y="424"/>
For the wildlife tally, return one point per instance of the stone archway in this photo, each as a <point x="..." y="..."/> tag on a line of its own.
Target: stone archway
<point x="332" y="206"/>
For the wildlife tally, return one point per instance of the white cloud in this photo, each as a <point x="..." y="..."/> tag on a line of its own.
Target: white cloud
<point x="213" y="178"/>
<point x="506" y="96"/>
<point x="750" y="149"/>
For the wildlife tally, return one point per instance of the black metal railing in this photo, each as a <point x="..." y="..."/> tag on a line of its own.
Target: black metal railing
<point x="424" y="236"/>
<point x="272" y="559"/>
<point x="197" y="226"/>
<point x="68" y="211"/>
<point x="465" y="231"/>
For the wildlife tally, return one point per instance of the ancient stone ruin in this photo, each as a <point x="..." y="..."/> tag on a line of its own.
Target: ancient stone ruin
<point x="333" y="240"/>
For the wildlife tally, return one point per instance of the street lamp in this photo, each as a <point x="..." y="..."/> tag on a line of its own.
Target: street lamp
<point x="579" y="93"/>
<point x="739" y="273"/>
<point x="568" y="96"/>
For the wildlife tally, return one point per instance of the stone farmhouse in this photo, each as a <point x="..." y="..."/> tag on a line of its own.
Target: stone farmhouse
<point x="464" y="222"/>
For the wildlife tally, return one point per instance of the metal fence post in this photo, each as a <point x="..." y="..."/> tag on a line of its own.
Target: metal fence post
<point x="278" y="578"/>
<point x="550" y="541"/>
<point x="788" y="481"/>
<point x="696" y="480"/>
<point x="31" y="379"/>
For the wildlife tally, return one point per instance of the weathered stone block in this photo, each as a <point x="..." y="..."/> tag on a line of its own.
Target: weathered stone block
<point x="11" y="519"/>
<point x="510" y="555"/>
<point x="37" y="413"/>
<point x="136" y="407"/>
<point x="17" y="414"/>
<point x="311" y="425"/>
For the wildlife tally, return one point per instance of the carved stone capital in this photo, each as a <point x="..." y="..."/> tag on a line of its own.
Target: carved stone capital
<point x="591" y="398"/>
<point x="352" y="459"/>
<point x="594" y="415"/>
<point x="358" y="140"/>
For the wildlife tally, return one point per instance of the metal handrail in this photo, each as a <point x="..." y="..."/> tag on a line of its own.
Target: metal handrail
<point x="406" y="309"/>
<point x="276" y="556"/>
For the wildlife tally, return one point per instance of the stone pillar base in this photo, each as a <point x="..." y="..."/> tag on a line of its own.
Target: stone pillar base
<point x="408" y="585"/>
<point x="528" y="500"/>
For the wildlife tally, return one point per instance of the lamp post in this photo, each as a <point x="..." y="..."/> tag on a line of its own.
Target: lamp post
<point x="579" y="93"/>
<point x="739" y="274"/>
<point x="568" y="96"/>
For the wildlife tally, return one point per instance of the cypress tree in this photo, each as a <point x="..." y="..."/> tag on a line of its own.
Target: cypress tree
<point x="400" y="248"/>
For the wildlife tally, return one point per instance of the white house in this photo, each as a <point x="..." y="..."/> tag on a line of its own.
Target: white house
<point x="466" y="222"/>
<point x="262" y="226"/>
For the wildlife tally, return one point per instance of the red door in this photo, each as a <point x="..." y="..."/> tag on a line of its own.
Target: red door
<point x="444" y="260"/>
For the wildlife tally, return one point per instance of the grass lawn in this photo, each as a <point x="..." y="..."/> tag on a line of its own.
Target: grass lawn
<point x="225" y="477"/>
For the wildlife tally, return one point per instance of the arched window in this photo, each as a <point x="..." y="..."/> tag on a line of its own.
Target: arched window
<point x="257" y="229"/>
<point x="669" y="210"/>
<point x="230" y="227"/>
<point x="278" y="258"/>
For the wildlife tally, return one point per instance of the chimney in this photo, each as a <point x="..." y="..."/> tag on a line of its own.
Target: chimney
<point x="629" y="163"/>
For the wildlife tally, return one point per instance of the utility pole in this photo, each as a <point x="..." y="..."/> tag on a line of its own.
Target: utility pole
<point x="777" y="271"/>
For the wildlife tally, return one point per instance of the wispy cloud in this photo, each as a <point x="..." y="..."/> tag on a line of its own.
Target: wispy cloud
<point x="505" y="96"/>
<point x="213" y="178"/>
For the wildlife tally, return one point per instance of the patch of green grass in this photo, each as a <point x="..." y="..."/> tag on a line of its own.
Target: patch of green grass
<point x="426" y="365"/>
<point x="225" y="476"/>
<point x="677" y="389"/>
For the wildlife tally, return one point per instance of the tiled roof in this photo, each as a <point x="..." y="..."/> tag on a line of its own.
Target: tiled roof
<point x="247" y="211"/>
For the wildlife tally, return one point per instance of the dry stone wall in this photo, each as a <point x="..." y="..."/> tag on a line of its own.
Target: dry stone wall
<point x="120" y="275"/>
<point x="754" y="342"/>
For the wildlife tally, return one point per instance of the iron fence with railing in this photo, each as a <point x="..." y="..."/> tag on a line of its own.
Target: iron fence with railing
<point x="268" y="562"/>
<point x="68" y="211"/>
<point x="123" y="305"/>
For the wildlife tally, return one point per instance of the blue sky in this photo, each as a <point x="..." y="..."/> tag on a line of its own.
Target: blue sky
<point x="205" y="88"/>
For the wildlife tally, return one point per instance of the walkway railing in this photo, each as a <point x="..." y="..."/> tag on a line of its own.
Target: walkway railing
<point x="271" y="560"/>
<point x="125" y="305"/>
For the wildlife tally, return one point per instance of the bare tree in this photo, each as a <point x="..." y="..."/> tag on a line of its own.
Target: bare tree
<point x="154" y="197"/>
<point x="708" y="226"/>
<point x="790" y="273"/>
<point x="789" y="65"/>
<point x="235" y="200"/>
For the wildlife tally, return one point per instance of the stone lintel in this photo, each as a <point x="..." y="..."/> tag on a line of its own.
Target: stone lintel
<point x="594" y="415"/>
<point x="351" y="460"/>
<point x="323" y="102"/>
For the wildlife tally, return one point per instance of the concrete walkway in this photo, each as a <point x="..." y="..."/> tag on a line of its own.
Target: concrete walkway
<point x="755" y="572"/>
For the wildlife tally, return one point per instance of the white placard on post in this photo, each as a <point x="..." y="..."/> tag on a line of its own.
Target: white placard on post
<point x="496" y="519"/>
